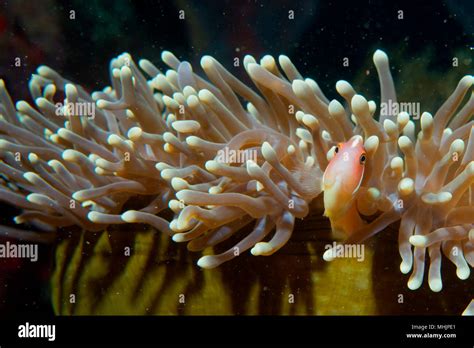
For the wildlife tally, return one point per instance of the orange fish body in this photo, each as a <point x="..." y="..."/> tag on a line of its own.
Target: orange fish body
<point x="341" y="182"/>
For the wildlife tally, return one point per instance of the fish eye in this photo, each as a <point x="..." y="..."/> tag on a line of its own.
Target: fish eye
<point x="362" y="158"/>
<point x="336" y="149"/>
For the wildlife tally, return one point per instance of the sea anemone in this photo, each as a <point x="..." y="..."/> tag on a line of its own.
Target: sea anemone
<point x="221" y="156"/>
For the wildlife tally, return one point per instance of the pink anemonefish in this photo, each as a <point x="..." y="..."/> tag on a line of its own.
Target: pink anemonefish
<point x="341" y="182"/>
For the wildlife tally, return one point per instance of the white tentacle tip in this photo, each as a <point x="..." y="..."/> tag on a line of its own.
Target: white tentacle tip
<point x="344" y="88"/>
<point x="406" y="186"/>
<point x="262" y="248"/>
<point x="135" y="133"/>
<point x="129" y="216"/>
<point x="70" y="89"/>
<point x="193" y="141"/>
<point x="469" y="309"/>
<point x="405" y="267"/>
<point x="268" y="152"/>
<point x="179" y="184"/>
<point x="205" y="95"/>
<point x="206" y="62"/>
<point x="291" y="150"/>
<point x="359" y="105"/>
<point x="174" y="226"/>
<point x="178" y="237"/>
<point x="300" y="88"/>
<point x="214" y="190"/>
<point x="208" y="262"/>
<point x="186" y="126"/>
<point x="329" y="255"/>
<point x="437" y="198"/>
<point x="252" y="167"/>
<point x="404" y="142"/>
<point x="380" y="57"/>
<point x="30" y="177"/>
<point x="299" y="115"/>
<point x="371" y="144"/>
<point x="463" y="272"/>
<point x="160" y="166"/>
<point x="419" y="241"/>
<point x="211" y="166"/>
<point x="414" y="283"/>
<point x="78" y="196"/>
<point x="252" y="67"/>
<point x="436" y="285"/>
<point x="18" y="220"/>
<point x="336" y="108"/>
<point x="94" y="216"/>
<point x="467" y="80"/>
<point x="167" y="174"/>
